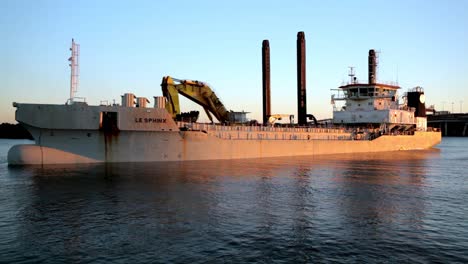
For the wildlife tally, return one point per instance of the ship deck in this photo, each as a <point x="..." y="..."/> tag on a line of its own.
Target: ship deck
<point x="240" y="132"/>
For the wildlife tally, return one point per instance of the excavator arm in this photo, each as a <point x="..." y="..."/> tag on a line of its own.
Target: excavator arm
<point x="197" y="92"/>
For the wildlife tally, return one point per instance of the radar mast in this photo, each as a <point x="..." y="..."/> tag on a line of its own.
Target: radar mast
<point x="75" y="69"/>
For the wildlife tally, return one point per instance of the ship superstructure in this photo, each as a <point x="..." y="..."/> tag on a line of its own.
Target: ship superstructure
<point x="379" y="105"/>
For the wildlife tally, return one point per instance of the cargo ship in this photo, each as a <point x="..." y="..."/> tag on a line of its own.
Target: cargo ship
<point x="367" y="117"/>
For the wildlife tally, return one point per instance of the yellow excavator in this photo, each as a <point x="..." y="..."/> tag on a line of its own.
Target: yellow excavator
<point x="197" y="92"/>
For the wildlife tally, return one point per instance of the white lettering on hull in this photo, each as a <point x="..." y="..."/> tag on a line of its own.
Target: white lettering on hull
<point x="149" y="120"/>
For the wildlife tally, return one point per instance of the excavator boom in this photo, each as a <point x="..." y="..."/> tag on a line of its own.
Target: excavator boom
<point x="197" y="92"/>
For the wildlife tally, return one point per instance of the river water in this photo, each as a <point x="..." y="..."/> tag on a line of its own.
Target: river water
<point x="408" y="207"/>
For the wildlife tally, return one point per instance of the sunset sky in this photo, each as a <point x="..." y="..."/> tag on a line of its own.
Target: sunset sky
<point x="128" y="46"/>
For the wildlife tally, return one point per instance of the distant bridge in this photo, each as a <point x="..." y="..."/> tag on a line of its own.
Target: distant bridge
<point x="451" y="125"/>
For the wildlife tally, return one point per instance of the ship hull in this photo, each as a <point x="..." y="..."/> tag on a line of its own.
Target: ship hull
<point x="196" y="145"/>
<point x="89" y="134"/>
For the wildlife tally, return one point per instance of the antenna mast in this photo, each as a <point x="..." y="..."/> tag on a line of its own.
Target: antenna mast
<point x="351" y="75"/>
<point x="75" y="69"/>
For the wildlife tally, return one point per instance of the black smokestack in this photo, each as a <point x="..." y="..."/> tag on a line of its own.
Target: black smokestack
<point x="416" y="99"/>
<point x="266" y="80"/>
<point x="301" y="80"/>
<point x="372" y="67"/>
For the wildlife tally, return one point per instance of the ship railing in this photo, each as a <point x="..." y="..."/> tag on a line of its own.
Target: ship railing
<point x="293" y="136"/>
<point x="280" y="133"/>
<point x="286" y="133"/>
<point x="76" y="100"/>
<point x="219" y="127"/>
<point x="375" y="95"/>
<point x="390" y="107"/>
<point x="280" y="136"/>
<point x="393" y="83"/>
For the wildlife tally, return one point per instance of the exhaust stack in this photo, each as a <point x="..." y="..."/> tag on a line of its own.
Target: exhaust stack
<point x="372" y="67"/>
<point x="266" y="80"/>
<point x="301" y="80"/>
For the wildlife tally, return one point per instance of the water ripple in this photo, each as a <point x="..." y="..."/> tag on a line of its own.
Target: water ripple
<point x="385" y="208"/>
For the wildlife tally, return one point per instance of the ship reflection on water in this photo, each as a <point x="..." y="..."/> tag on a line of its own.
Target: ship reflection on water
<point x="296" y="209"/>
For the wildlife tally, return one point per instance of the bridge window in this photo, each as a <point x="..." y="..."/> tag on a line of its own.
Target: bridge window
<point x="364" y="91"/>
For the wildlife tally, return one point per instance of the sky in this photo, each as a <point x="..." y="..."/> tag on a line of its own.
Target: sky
<point x="128" y="46"/>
